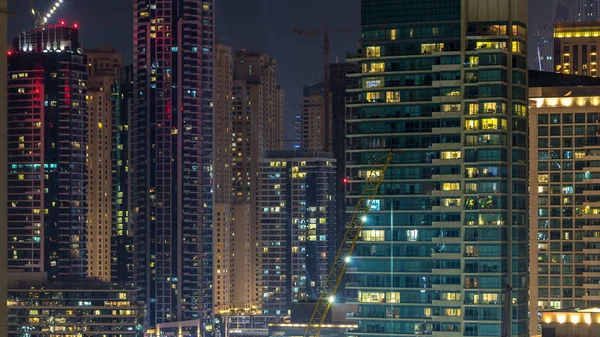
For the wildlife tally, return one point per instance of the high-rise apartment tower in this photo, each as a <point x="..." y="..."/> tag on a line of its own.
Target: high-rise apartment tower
<point x="172" y="145"/>
<point x="3" y="163"/>
<point x="122" y="251"/>
<point x="296" y="213"/>
<point x="47" y="139"/>
<point x="445" y="246"/>
<point x="104" y="66"/>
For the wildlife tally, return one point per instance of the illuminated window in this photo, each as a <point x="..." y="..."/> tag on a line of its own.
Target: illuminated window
<point x="450" y="296"/>
<point x="490" y="45"/>
<point x="393" y="34"/>
<point x="543" y="178"/>
<point x="373" y="235"/>
<point x="372" y="82"/>
<point x="412" y="235"/>
<point x="518" y="47"/>
<point x="452" y="312"/>
<point x="520" y="110"/>
<point x="471" y="251"/>
<point x="490" y="298"/>
<point x="375" y="67"/>
<point x="373" y="51"/>
<point x="392" y="97"/>
<point x="450" y="202"/>
<point x="451" y="154"/>
<point x="473" y="61"/>
<point x="371" y="297"/>
<point x="450" y="107"/>
<point x="428" y="48"/>
<point x="493" y="124"/>
<point x="490" y="107"/>
<point x="473" y="109"/>
<point x="451" y="186"/>
<point x="471" y="124"/>
<point x="392" y="297"/>
<point x="373" y="96"/>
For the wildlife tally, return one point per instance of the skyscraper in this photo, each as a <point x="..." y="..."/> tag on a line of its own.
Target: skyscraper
<point x="445" y="245"/>
<point x="172" y="145"/>
<point x="47" y="127"/>
<point x="586" y="10"/>
<point x="257" y="117"/>
<point x="3" y="164"/>
<point x="296" y="207"/>
<point x="122" y="250"/>
<point x="314" y="136"/>
<point x="104" y="66"/>
<point x="564" y="198"/>
<point x="342" y="91"/>
<point x="224" y="280"/>
<point x="257" y="126"/>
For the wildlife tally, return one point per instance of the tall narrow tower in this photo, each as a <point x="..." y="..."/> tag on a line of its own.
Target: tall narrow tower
<point x="172" y="157"/>
<point x="104" y="65"/>
<point x="3" y="165"/>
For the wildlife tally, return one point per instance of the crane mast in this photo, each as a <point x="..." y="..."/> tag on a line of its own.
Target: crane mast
<point x="326" y="93"/>
<point x="336" y="273"/>
<point x="506" y="326"/>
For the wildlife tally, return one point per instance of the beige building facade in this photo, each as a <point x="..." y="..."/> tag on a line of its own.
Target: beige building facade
<point x="576" y="48"/>
<point x="103" y="71"/>
<point x="314" y="137"/>
<point x="564" y="200"/>
<point x="248" y="121"/>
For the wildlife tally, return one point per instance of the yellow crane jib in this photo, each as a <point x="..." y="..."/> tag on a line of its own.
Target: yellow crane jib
<point x="370" y="190"/>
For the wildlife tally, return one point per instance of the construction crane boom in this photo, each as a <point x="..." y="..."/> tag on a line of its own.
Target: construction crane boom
<point x="342" y="258"/>
<point x="41" y="18"/>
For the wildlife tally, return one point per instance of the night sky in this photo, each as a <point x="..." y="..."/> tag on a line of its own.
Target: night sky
<point x="259" y="25"/>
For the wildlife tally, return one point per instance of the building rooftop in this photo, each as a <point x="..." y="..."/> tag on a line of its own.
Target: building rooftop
<point x="572" y="315"/>
<point x="576" y="29"/>
<point x="548" y="79"/>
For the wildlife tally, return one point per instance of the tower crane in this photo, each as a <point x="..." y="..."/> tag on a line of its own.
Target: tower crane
<point x="41" y="18"/>
<point x="342" y="258"/>
<point x="326" y="108"/>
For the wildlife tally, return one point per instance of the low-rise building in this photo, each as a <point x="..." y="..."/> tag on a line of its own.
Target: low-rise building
<point x="571" y="323"/>
<point x="81" y="308"/>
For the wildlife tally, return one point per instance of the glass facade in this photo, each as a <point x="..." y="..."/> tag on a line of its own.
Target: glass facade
<point x="445" y="86"/>
<point x="172" y="123"/>
<point x="122" y="248"/>
<point x="47" y="139"/>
